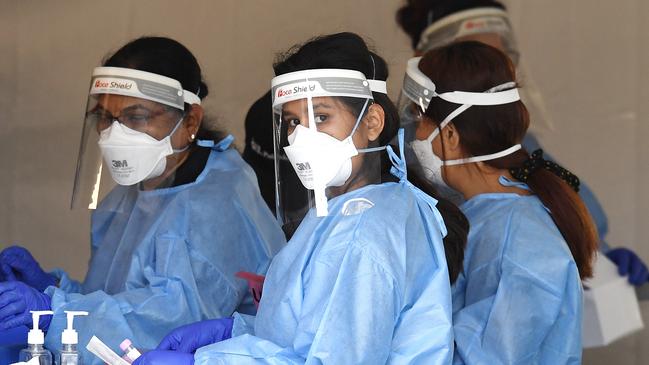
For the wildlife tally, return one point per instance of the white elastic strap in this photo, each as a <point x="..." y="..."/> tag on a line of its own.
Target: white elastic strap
<point x="191" y="98"/>
<point x="493" y="98"/>
<point x="358" y="120"/>
<point x="502" y="98"/>
<point x="174" y="131"/>
<point x="378" y="86"/>
<point x="492" y="156"/>
<point x="372" y="149"/>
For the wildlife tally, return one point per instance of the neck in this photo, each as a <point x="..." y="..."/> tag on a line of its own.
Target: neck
<point x="166" y="179"/>
<point x="472" y="180"/>
<point x="369" y="174"/>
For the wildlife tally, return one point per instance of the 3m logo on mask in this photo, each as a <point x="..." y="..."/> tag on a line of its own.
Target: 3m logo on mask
<point x="302" y="166"/>
<point x="120" y="164"/>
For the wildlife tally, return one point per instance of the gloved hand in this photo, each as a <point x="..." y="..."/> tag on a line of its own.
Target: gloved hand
<point x="158" y="357"/>
<point x="193" y="336"/>
<point x="16" y="300"/>
<point x="628" y="263"/>
<point x="17" y="264"/>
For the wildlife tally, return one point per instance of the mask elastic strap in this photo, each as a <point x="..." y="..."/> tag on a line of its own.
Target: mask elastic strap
<point x="446" y="121"/>
<point x="172" y="133"/>
<point x="358" y="120"/>
<point x="492" y="156"/>
<point x="503" y="97"/>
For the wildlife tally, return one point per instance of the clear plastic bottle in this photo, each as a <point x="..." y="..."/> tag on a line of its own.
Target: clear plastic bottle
<point x="32" y="351"/>
<point x="35" y="341"/>
<point x="69" y="354"/>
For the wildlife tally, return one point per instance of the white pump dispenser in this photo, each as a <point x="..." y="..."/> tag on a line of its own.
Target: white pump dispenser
<point x="35" y="341"/>
<point x="36" y="335"/>
<point x="70" y="338"/>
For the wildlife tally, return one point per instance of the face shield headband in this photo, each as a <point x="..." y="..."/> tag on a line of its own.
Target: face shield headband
<point x="468" y="23"/>
<point x="141" y="84"/>
<point x="420" y="90"/>
<point x="319" y="159"/>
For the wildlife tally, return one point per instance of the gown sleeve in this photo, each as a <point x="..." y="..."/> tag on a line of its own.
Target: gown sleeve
<point x="348" y="316"/>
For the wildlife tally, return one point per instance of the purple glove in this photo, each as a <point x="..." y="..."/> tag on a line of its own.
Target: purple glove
<point x="628" y="263"/>
<point x="16" y="300"/>
<point x="157" y="357"/>
<point x="17" y="264"/>
<point x="193" y="336"/>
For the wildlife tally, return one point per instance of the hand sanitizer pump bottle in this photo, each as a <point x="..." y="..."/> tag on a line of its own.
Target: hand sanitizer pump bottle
<point x="70" y="338"/>
<point x="35" y="341"/>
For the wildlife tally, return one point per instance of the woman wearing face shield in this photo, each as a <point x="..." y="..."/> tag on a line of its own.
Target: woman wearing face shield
<point x="519" y="298"/>
<point x="178" y="212"/>
<point x="433" y="23"/>
<point x="364" y="278"/>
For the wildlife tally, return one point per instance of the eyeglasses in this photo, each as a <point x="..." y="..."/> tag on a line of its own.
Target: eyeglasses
<point x="134" y="117"/>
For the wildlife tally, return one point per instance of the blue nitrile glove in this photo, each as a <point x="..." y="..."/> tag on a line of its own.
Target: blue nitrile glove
<point x="193" y="336"/>
<point x="17" y="264"/>
<point x="628" y="263"/>
<point x="158" y="357"/>
<point x="16" y="300"/>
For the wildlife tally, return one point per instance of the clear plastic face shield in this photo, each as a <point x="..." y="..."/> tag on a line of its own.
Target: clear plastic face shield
<point x="320" y="139"/>
<point x="486" y="25"/>
<point x="417" y="93"/>
<point x="130" y="119"/>
<point x="490" y="26"/>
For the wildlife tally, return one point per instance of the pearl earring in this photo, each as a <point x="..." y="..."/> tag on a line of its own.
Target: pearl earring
<point x="193" y="136"/>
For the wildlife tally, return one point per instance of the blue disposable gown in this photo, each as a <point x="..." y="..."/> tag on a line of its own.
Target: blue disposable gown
<point x="364" y="288"/>
<point x="168" y="257"/>
<point x="519" y="299"/>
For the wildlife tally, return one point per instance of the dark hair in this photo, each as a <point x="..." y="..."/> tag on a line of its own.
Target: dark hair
<point x="476" y="67"/>
<point x="416" y="15"/>
<point x="166" y="57"/>
<point x="349" y="51"/>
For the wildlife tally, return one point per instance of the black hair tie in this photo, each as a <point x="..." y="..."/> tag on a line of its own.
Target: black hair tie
<point x="535" y="162"/>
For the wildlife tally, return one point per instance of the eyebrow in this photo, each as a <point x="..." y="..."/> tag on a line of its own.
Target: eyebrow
<point x="315" y="106"/>
<point x="101" y="108"/>
<point x="136" y="106"/>
<point x="322" y="105"/>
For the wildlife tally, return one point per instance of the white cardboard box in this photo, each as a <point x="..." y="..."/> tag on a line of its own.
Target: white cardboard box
<point x="611" y="309"/>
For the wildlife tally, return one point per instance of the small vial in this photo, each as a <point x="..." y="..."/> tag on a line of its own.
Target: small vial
<point x="130" y="352"/>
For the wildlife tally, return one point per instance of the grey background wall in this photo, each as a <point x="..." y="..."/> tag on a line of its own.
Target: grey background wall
<point x="589" y="61"/>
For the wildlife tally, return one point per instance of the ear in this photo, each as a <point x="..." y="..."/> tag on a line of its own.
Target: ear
<point x="374" y="121"/>
<point x="193" y="120"/>
<point x="451" y="139"/>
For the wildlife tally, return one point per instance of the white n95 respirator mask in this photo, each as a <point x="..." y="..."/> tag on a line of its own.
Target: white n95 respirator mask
<point x="132" y="156"/>
<point x="310" y="150"/>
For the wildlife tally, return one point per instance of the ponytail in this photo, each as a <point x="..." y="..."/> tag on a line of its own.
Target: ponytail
<point x="557" y="189"/>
